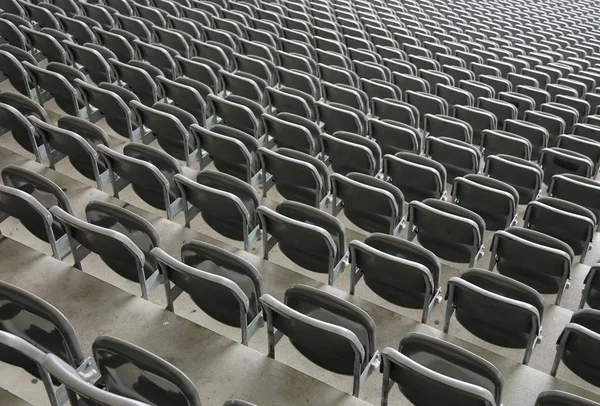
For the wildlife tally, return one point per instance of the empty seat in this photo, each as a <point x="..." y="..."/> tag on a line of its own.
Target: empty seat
<point x="182" y="94"/>
<point x="119" y="237"/>
<point x="558" y="160"/>
<point x="22" y="131"/>
<point x="494" y="142"/>
<point x="220" y="283"/>
<point x="534" y="133"/>
<point x="93" y="61"/>
<point x="28" y="196"/>
<point x="349" y="152"/>
<point x="169" y="124"/>
<point x="569" y="222"/>
<point x="288" y="134"/>
<point x="290" y="100"/>
<point x="495" y="201"/>
<point x="232" y="151"/>
<point x="397" y="270"/>
<point x="576" y="189"/>
<point x="395" y="110"/>
<point x="237" y="115"/>
<point x="296" y="175"/>
<point x="370" y="203"/>
<point x="393" y="137"/>
<point x="449" y="127"/>
<point x="338" y="117"/>
<point x="309" y="237"/>
<point x="75" y="139"/>
<point x="569" y="114"/>
<point x="579" y="337"/>
<point x="432" y="371"/>
<point x="503" y="110"/>
<point x="458" y="157"/>
<point x="18" y="77"/>
<point x="150" y="173"/>
<point x="328" y="330"/>
<point x="42" y="325"/>
<point x="124" y="368"/>
<point x="551" y="122"/>
<point x="449" y="231"/>
<point x="426" y="104"/>
<point x="227" y="204"/>
<point x="497" y="309"/>
<point x="478" y="119"/>
<point x="417" y="176"/>
<point x="137" y="80"/>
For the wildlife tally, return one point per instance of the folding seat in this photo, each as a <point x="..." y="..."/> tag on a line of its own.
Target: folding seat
<point x="434" y="78"/>
<point x="340" y="94"/>
<point x="370" y="203"/>
<point x="243" y="85"/>
<point x="465" y="378"/>
<point x="301" y="81"/>
<point x="417" y="176"/>
<point x="158" y="57"/>
<point x="49" y="46"/>
<point x="518" y="252"/>
<point x="31" y="313"/>
<point x="583" y="145"/>
<point x="93" y="61"/>
<point x="137" y="26"/>
<point x="569" y="114"/>
<point x="569" y="222"/>
<point x="537" y="135"/>
<point x="503" y="110"/>
<point x="300" y="229"/>
<point x="555" y="89"/>
<point x="458" y="157"/>
<point x="397" y="270"/>
<point x="288" y="134"/>
<point x="477" y="89"/>
<point x="297" y="176"/>
<point x="380" y="89"/>
<point x="332" y="342"/>
<point x="136" y="80"/>
<point x="572" y="84"/>
<point x="44" y="17"/>
<point x="79" y="30"/>
<point x="551" y="122"/>
<point x="237" y="115"/>
<point x="558" y="160"/>
<point x="498" y="84"/>
<point x="559" y="398"/>
<point x="504" y="67"/>
<point x="336" y="75"/>
<point x="22" y="131"/>
<point x="210" y="51"/>
<point x="150" y="173"/>
<point x="24" y="105"/>
<point x="339" y="117"/>
<point x="12" y="34"/>
<point x="426" y="104"/>
<point x="446" y="126"/>
<point x="350" y="152"/>
<point x="27" y="196"/>
<point x="169" y="384"/>
<point x="408" y="82"/>
<point x="116" y="43"/>
<point x="290" y="100"/>
<point x="578" y="337"/>
<point x="393" y="136"/>
<point x="522" y="102"/>
<point x="458" y="73"/>
<point x="538" y="95"/>
<point x="496" y="309"/>
<point x="451" y="232"/>
<point x="75" y="139"/>
<point x="495" y="201"/>
<point x="582" y="106"/>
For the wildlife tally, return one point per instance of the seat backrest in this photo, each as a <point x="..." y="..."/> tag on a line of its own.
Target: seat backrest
<point x="458" y="157"/>
<point x="559" y="398"/>
<point x="418" y="177"/>
<point x="338" y="117"/>
<point x="236" y="115"/>
<point x="554" y="124"/>
<point x="536" y="134"/>
<point x="396" y="110"/>
<point x="137" y="80"/>
<point x="57" y="85"/>
<point x="290" y="135"/>
<point x="131" y="371"/>
<point x="393" y="136"/>
<point x="576" y="189"/>
<point x="115" y="42"/>
<point x="557" y="160"/>
<point x="445" y="126"/>
<point x="501" y="109"/>
<point x="350" y="152"/>
<point x="46" y="44"/>
<point x="12" y="68"/>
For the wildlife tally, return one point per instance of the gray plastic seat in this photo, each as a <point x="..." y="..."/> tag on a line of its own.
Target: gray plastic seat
<point x="569" y="114"/>
<point x="522" y="102"/>
<point x="75" y="139"/>
<point x="244" y="84"/>
<point x="426" y="104"/>
<point x="129" y="370"/>
<point x="227" y="204"/>
<point x="478" y="119"/>
<point x="417" y="176"/>
<point x="10" y="65"/>
<point x="495" y="201"/>
<point x="579" y="337"/>
<point x="446" y="126"/>
<point x="137" y="80"/>
<point x="588" y="130"/>
<point x="349" y="152"/>
<point x="345" y="95"/>
<point x="576" y="189"/>
<point x="309" y="237"/>
<point x="583" y="107"/>
<point x="381" y="89"/>
<point x="503" y="110"/>
<point x="449" y="231"/>
<point x="583" y="145"/>
<point x="458" y="157"/>
<point x="290" y="100"/>
<point x="40" y="324"/>
<point x="393" y="137"/>
<point x="329" y="331"/>
<point x="65" y="95"/>
<point x="45" y="43"/>
<point x="232" y="151"/>
<point x="536" y="134"/>
<point x="429" y="371"/>
<point x="525" y="176"/>
<point x="296" y="175"/>
<point x="287" y="134"/>
<point x="237" y="115"/>
<point x="336" y="74"/>
<point x="396" y="110"/>
<point x="591" y="290"/>
<point x="220" y="283"/>
<point x="116" y="43"/>
<point x="93" y="61"/>
<point x="370" y="203"/>
<point x="495" y="142"/>
<point x="398" y="271"/>
<point x="150" y="173"/>
<point x="22" y="131"/>
<point x="28" y="196"/>
<point x="567" y="221"/>
<point x="454" y="96"/>
<point x="551" y="122"/>
<point x="558" y="160"/>
<point x="496" y="309"/>
<point x="559" y="398"/>
<point x="55" y="370"/>
<point x="338" y="117"/>
<point x="169" y="124"/>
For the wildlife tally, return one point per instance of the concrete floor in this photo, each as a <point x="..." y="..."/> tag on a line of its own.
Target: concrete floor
<point x="98" y="301"/>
